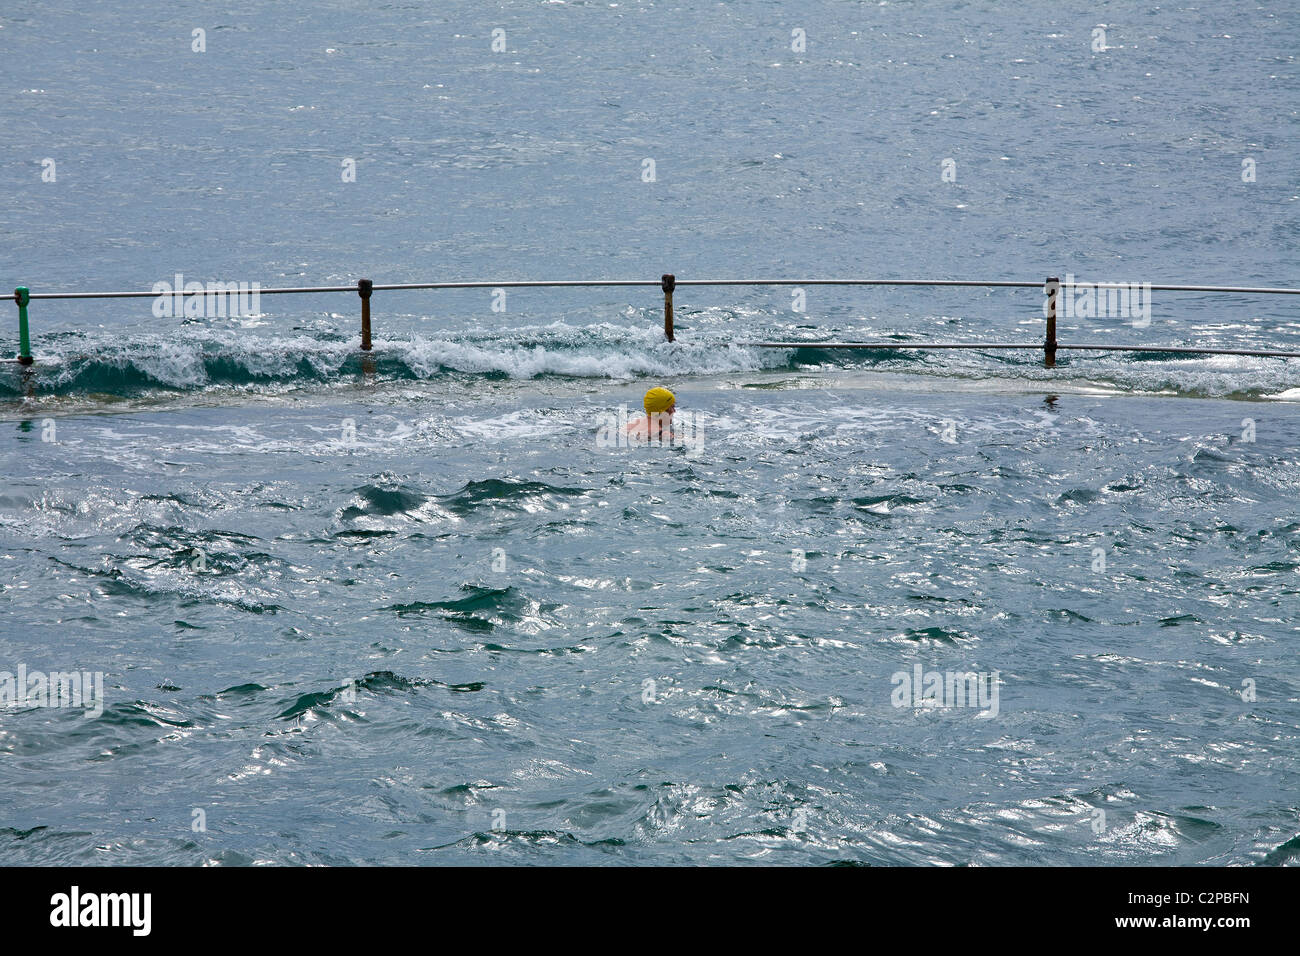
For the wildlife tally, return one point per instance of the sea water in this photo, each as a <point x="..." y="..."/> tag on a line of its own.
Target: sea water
<point x="892" y="608"/>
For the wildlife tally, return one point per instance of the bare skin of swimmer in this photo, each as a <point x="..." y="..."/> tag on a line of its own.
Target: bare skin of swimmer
<point x="658" y="426"/>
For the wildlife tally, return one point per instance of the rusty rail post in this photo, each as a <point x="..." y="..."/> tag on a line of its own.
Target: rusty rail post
<point x="669" y="283"/>
<point x="1052" y="288"/>
<point x="365" y="289"/>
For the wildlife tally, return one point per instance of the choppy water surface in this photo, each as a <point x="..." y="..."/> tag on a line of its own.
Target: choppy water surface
<point x="408" y="609"/>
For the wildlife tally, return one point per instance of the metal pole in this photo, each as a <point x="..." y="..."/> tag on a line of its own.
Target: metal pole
<point x="22" y="297"/>
<point x="1049" y="341"/>
<point x="669" y="283"/>
<point x="365" y="288"/>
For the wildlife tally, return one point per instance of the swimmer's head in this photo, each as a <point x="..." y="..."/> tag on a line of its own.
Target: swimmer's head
<point x="659" y="400"/>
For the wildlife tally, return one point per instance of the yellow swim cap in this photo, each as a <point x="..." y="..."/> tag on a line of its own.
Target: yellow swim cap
<point x="658" y="400"/>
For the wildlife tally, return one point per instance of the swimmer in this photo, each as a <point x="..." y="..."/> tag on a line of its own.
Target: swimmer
<point x="657" y="426"/>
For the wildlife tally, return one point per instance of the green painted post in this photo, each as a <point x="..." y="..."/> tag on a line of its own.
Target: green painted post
<point x="22" y="296"/>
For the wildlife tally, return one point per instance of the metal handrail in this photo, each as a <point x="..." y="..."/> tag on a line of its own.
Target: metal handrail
<point x="365" y="288"/>
<point x="595" y="283"/>
<point x="898" y="346"/>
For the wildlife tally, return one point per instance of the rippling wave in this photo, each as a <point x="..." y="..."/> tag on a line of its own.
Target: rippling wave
<point x="404" y="607"/>
<point x="94" y="367"/>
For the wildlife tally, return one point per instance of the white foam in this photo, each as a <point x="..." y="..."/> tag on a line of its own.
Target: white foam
<point x="620" y="351"/>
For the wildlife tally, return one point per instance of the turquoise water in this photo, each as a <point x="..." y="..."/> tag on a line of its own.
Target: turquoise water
<point x="407" y="608"/>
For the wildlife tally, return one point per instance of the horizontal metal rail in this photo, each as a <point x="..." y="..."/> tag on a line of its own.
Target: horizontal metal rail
<point x="365" y="288"/>
<point x="810" y="344"/>
<point x="395" y="287"/>
<point x="597" y="283"/>
<point x="1036" y="346"/>
<point x="1176" y="349"/>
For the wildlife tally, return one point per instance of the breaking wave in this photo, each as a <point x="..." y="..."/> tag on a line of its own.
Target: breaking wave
<point x="108" y="366"/>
